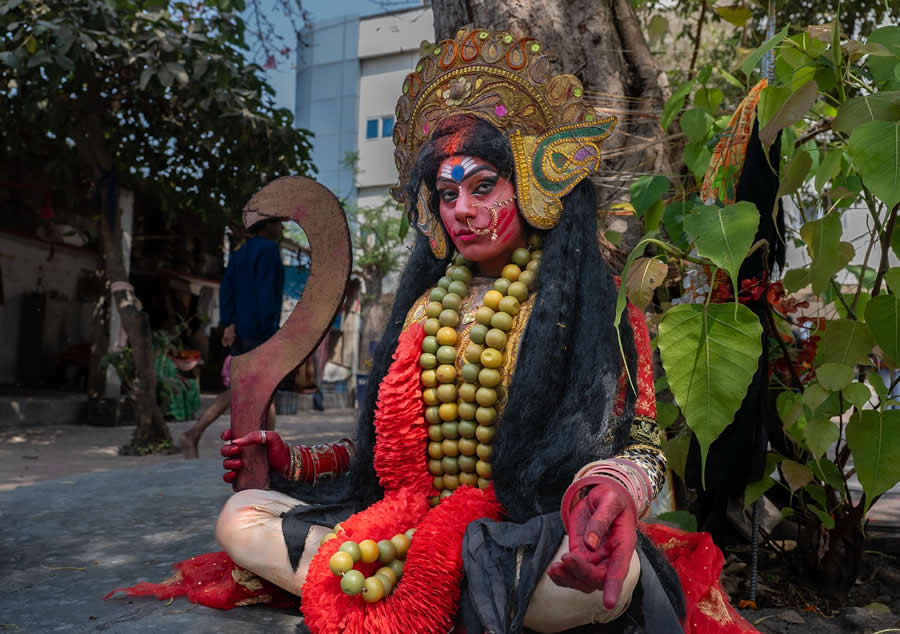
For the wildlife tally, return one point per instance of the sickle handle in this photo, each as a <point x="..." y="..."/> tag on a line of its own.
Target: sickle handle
<point x="256" y="374"/>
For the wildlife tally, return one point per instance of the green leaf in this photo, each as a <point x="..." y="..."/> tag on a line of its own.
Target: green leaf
<point x="845" y="341"/>
<point x="709" y="99"/>
<point x="657" y="28"/>
<point x="875" y="149"/>
<point x="820" y="434"/>
<point x="877" y="383"/>
<point x="146" y="76"/>
<point x="796" y="475"/>
<point x="696" y="123"/>
<point x="829" y="255"/>
<point x="834" y="376"/>
<point x="177" y="70"/>
<point x="754" y="58"/>
<point x="814" y="395"/>
<point x="710" y="354"/>
<point x="796" y="279"/>
<point x="644" y="276"/>
<point x="874" y="439"/>
<point x="892" y="277"/>
<point x="676" y="450"/>
<point x="771" y="99"/>
<point x="883" y="68"/>
<point x="666" y="414"/>
<point x="755" y="490"/>
<point x="828" y="168"/>
<point x="789" y="406"/>
<point x="684" y="520"/>
<point x="883" y="106"/>
<point x="674" y="103"/>
<point x="653" y="217"/>
<point x="824" y="516"/>
<point x="724" y="235"/>
<point x="795" y="173"/>
<point x="826" y="471"/>
<point x="792" y="110"/>
<point x="673" y="221"/>
<point x="883" y="317"/>
<point x="735" y="15"/>
<point x="696" y="157"/>
<point x="201" y="63"/>
<point x="647" y="190"/>
<point x="857" y="393"/>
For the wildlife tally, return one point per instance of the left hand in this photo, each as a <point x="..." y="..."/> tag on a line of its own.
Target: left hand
<point x="602" y="530"/>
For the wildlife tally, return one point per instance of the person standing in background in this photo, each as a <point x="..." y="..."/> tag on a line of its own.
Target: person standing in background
<point x="250" y="299"/>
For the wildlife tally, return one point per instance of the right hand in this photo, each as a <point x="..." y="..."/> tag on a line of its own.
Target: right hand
<point x="229" y="335"/>
<point x="278" y="453"/>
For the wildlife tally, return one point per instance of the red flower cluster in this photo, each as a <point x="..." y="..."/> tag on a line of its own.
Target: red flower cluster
<point x="781" y="302"/>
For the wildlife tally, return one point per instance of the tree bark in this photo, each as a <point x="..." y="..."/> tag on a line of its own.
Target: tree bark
<point x="602" y="44"/>
<point x="151" y="432"/>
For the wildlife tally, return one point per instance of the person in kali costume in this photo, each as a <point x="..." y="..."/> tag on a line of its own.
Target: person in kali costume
<point x="501" y="466"/>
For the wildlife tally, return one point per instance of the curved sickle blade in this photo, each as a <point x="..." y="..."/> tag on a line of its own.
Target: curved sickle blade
<point x="256" y="374"/>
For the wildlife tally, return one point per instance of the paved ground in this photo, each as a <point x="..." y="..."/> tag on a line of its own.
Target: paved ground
<point x="79" y="520"/>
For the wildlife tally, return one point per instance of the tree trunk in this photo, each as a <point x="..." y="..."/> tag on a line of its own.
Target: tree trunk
<point x="833" y="557"/>
<point x="151" y="432"/>
<point x="601" y="43"/>
<point x="374" y="312"/>
<point x="96" y="381"/>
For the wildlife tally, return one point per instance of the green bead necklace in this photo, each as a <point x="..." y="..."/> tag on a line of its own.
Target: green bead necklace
<point x="462" y="415"/>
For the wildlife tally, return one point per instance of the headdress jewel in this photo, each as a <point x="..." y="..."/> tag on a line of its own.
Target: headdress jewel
<point x="555" y="136"/>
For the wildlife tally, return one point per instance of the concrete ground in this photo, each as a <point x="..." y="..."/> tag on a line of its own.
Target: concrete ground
<point x="79" y="520"/>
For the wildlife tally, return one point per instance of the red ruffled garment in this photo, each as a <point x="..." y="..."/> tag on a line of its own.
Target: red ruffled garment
<point x="426" y="599"/>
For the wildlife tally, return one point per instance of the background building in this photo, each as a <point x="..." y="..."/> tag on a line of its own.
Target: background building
<point x="348" y="81"/>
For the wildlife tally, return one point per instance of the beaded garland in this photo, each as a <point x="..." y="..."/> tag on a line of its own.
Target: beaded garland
<point x="390" y="552"/>
<point x="461" y="415"/>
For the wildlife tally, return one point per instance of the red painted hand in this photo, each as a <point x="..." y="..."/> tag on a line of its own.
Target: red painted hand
<point x="278" y="452"/>
<point x="602" y="530"/>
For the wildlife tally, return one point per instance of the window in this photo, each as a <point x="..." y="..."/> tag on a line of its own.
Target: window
<point x="372" y="129"/>
<point x="387" y="126"/>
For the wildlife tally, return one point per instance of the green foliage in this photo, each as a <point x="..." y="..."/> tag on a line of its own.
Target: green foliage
<point x="160" y="90"/>
<point x="835" y="101"/>
<point x="709" y="353"/>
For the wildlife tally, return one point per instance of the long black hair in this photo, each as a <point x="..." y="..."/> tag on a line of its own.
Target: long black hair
<point x="560" y="409"/>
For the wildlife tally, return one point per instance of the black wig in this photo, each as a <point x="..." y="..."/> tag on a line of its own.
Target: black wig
<point x="560" y="409"/>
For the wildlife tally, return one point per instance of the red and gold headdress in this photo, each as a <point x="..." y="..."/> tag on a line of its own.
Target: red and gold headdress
<point x="555" y="136"/>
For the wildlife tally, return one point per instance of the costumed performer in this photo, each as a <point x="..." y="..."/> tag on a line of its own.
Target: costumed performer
<point x="501" y="466"/>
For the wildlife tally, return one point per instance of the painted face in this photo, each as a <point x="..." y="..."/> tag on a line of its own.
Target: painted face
<point x="478" y="208"/>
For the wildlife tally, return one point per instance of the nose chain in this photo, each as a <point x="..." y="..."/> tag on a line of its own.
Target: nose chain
<point x="491" y="228"/>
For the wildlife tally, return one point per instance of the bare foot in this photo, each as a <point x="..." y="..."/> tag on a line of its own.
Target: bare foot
<point x="188" y="443"/>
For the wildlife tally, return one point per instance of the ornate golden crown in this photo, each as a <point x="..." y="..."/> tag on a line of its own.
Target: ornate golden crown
<point x="555" y="136"/>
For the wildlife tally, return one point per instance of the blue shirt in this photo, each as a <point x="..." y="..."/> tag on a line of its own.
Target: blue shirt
<point x="250" y="293"/>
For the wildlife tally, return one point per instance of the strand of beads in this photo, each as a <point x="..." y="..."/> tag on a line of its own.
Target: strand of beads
<point x="390" y="552"/>
<point x="462" y="420"/>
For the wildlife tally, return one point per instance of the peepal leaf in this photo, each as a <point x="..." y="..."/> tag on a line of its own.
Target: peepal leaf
<point x="883" y="317"/>
<point x="795" y="173"/>
<point x="845" y="341"/>
<point x="797" y="475"/>
<point x="710" y="354"/>
<point x="820" y="434"/>
<point x="754" y="57"/>
<point x="644" y="276"/>
<point x="882" y="106"/>
<point x="874" y="439"/>
<point x="793" y="110"/>
<point x="724" y="234"/>
<point x="834" y="376"/>
<point x="875" y="148"/>
<point x="735" y="15"/>
<point x="647" y="190"/>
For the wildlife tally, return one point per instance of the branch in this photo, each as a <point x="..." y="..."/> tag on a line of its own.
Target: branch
<point x="885" y="250"/>
<point x="813" y="132"/>
<point x="697" y="36"/>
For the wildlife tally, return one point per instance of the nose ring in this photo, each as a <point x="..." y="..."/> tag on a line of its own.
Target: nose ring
<point x="491" y="228"/>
